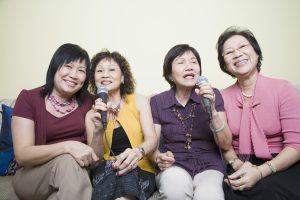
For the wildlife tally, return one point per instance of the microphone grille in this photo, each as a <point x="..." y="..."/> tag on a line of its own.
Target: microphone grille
<point x="102" y="89"/>
<point x="201" y="80"/>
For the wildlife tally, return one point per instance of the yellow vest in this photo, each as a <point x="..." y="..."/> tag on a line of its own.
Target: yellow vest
<point x="129" y="119"/>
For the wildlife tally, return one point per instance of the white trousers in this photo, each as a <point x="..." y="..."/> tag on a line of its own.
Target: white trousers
<point x="175" y="183"/>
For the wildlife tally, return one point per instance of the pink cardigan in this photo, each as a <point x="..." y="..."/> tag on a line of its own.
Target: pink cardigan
<point x="271" y="121"/>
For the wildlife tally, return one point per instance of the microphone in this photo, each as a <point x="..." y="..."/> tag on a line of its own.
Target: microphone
<point x="206" y="102"/>
<point x="102" y="93"/>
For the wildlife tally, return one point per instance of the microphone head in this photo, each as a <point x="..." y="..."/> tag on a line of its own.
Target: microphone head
<point x="201" y="80"/>
<point x="102" y="89"/>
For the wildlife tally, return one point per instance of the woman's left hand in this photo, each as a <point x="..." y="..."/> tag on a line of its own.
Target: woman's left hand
<point x="244" y="178"/>
<point x="127" y="161"/>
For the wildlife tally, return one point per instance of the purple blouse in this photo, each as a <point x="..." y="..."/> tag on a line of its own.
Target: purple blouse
<point x="204" y="153"/>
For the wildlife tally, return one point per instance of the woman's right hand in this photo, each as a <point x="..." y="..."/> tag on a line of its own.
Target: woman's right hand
<point x="164" y="160"/>
<point x="82" y="153"/>
<point x="96" y="116"/>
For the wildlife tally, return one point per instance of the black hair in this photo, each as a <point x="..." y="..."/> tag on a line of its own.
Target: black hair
<point x="174" y="52"/>
<point x="228" y="33"/>
<point x="67" y="53"/>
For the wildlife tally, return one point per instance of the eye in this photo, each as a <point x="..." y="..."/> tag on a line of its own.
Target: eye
<point x="112" y="69"/>
<point x="227" y="53"/>
<point x="99" y="70"/>
<point x="243" y="46"/>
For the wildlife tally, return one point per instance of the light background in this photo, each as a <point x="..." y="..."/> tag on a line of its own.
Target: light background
<point x="143" y="31"/>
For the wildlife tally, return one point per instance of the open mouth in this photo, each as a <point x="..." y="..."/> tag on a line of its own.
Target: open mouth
<point x="189" y="76"/>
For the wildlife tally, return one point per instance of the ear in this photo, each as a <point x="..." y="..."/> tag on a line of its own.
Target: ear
<point x="122" y="79"/>
<point x="170" y="78"/>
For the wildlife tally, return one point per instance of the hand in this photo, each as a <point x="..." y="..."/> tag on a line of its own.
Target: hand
<point x="165" y="160"/>
<point x="96" y="116"/>
<point x="82" y="153"/>
<point x="206" y="91"/>
<point x="244" y="178"/>
<point x="127" y="161"/>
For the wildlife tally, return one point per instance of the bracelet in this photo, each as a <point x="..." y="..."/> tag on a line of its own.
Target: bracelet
<point x="142" y="151"/>
<point x="218" y="129"/>
<point x="230" y="162"/>
<point x="272" y="167"/>
<point x="256" y="167"/>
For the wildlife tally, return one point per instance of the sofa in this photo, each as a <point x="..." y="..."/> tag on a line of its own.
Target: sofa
<point x="6" y="189"/>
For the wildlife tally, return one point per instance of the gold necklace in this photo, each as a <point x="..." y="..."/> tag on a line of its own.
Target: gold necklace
<point x="188" y="135"/>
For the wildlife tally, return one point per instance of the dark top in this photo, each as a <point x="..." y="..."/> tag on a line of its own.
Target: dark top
<point x="48" y="128"/>
<point x="120" y="141"/>
<point x="204" y="153"/>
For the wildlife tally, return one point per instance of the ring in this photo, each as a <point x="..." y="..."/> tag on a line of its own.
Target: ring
<point x="241" y="188"/>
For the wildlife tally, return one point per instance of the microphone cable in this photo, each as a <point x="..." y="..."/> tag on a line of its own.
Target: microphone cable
<point x="220" y="151"/>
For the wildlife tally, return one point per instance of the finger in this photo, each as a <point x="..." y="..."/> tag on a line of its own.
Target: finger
<point x="236" y="174"/>
<point x="95" y="157"/>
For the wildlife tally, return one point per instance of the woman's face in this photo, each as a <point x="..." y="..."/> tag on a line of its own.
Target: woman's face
<point x="109" y="74"/>
<point x="185" y="70"/>
<point x="240" y="57"/>
<point x="69" y="78"/>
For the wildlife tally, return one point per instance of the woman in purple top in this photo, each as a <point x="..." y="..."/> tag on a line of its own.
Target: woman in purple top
<point x="48" y="129"/>
<point x="188" y="157"/>
<point x="264" y="117"/>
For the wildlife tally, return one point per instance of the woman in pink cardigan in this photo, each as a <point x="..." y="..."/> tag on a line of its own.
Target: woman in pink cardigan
<point x="264" y="117"/>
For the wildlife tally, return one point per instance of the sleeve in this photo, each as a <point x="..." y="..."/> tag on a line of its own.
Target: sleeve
<point x="154" y="110"/>
<point x="219" y="102"/>
<point x="24" y="106"/>
<point x="289" y="109"/>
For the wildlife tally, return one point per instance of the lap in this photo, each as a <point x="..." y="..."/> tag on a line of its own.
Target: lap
<point x="282" y="185"/>
<point x="107" y="185"/>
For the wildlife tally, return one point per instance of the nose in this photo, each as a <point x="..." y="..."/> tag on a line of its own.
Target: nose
<point x="73" y="73"/>
<point x="188" y="66"/>
<point x="237" y="53"/>
<point x="105" y="73"/>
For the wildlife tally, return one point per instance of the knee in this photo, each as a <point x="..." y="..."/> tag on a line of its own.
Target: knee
<point x="66" y="165"/>
<point x="175" y="183"/>
<point x="209" y="192"/>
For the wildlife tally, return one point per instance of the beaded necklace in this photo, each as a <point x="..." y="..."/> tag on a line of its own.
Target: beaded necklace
<point x="116" y="109"/>
<point x="62" y="107"/>
<point x="188" y="135"/>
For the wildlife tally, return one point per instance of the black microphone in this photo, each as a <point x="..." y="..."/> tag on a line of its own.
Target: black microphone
<point x="206" y="102"/>
<point x="102" y="93"/>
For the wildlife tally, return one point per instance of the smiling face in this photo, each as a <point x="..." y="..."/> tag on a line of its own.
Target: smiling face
<point x="69" y="78"/>
<point x="240" y="57"/>
<point x="185" y="70"/>
<point x="109" y="74"/>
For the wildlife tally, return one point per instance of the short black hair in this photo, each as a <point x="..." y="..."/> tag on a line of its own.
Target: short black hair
<point x="228" y="33"/>
<point x="67" y="53"/>
<point x="174" y="52"/>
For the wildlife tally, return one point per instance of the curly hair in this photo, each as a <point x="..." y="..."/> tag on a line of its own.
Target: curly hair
<point x="128" y="86"/>
<point x="232" y="31"/>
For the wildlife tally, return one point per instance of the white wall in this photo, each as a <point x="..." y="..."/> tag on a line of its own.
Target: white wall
<point x="143" y="31"/>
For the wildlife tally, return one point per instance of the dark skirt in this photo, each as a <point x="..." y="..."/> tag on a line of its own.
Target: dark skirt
<point x="284" y="185"/>
<point x="107" y="185"/>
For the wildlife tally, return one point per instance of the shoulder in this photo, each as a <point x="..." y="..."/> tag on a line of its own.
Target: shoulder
<point x="162" y="95"/>
<point x="278" y="85"/>
<point x="141" y="101"/>
<point x="30" y="95"/>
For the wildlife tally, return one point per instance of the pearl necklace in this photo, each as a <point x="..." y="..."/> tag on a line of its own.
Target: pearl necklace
<point x="247" y="95"/>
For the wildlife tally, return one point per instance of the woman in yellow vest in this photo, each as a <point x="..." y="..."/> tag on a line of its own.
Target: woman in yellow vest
<point x="125" y="172"/>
